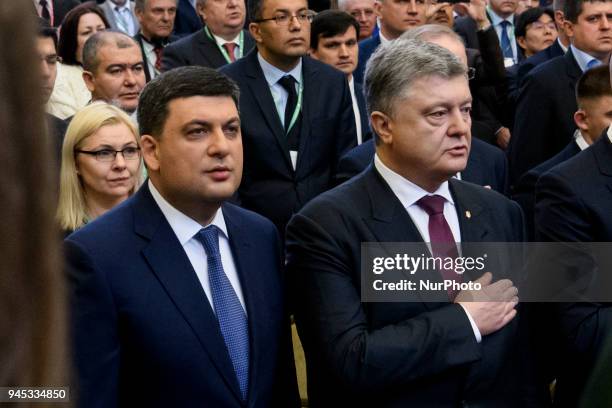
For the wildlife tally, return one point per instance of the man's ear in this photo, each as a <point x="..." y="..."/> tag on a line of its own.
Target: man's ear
<point x="521" y="42"/>
<point x="255" y="32"/>
<point x="89" y="80"/>
<point x="200" y="12"/>
<point x="377" y="7"/>
<point x="150" y="152"/>
<point x="383" y="126"/>
<point x="581" y="120"/>
<point x="569" y="28"/>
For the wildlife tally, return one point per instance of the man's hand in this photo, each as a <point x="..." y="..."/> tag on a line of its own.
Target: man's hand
<point x="477" y="10"/>
<point x="436" y="14"/>
<point x="492" y="307"/>
<point x="503" y="137"/>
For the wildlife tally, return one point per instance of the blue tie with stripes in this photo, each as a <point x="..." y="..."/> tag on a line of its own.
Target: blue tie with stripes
<point x="232" y="318"/>
<point x="505" y="40"/>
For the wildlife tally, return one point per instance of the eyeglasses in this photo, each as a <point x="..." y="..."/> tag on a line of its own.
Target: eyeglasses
<point x="471" y="73"/>
<point x="283" y="19"/>
<point x="109" y="155"/>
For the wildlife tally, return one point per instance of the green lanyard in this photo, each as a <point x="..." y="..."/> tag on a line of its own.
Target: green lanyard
<point x="223" y="50"/>
<point x="298" y="107"/>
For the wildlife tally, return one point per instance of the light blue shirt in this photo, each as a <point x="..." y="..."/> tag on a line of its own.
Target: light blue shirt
<point x="272" y="75"/>
<point x="125" y="19"/>
<point x="496" y="21"/>
<point x="582" y="58"/>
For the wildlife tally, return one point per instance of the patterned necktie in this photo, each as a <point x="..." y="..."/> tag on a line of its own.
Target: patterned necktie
<point x="505" y="40"/>
<point x="230" y="47"/>
<point x="232" y="318"/>
<point x="158" y="50"/>
<point x="288" y="83"/>
<point x="442" y="241"/>
<point x="44" y="10"/>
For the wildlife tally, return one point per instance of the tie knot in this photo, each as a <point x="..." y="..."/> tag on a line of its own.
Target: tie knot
<point x="287" y="82"/>
<point x="432" y="204"/>
<point x="209" y="237"/>
<point x="43" y="3"/>
<point x="230" y="46"/>
<point x="505" y="23"/>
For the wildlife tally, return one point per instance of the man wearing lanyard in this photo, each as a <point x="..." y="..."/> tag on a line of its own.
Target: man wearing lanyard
<point x="297" y="115"/>
<point x="220" y="42"/>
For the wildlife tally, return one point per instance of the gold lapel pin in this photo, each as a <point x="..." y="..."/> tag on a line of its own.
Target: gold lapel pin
<point x="468" y="214"/>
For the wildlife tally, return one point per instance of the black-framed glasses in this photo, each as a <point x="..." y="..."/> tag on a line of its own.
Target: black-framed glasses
<point x="109" y="155"/>
<point x="283" y="19"/>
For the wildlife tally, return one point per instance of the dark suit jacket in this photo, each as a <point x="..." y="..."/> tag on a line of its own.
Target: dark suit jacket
<point x="198" y="49"/>
<point x="366" y="49"/>
<point x="140" y="40"/>
<point x="269" y="185"/>
<point x="187" y="20"/>
<point x="366" y="131"/>
<point x="396" y="354"/>
<point x="524" y="191"/>
<point x="145" y="333"/>
<point x="573" y="204"/>
<point x="544" y="122"/>
<point x="486" y="164"/>
<point x="60" y="9"/>
<point x="57" y="130"/>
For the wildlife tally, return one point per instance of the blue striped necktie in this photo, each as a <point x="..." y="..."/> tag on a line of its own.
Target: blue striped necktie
<point x="506" y="46"/>
<point x="232" y="318"/>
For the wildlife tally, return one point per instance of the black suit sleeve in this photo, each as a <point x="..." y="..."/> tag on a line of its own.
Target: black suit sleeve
<point x="94" y="328"/>
<point x="173" y="57"/>
<point x="333" y="324"/>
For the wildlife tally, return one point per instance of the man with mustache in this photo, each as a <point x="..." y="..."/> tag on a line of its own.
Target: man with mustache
<point x="114" y="69"/>
<point x="156" y="18"/>
<point x="297" y="115"/>
<point x="221" y="41"/>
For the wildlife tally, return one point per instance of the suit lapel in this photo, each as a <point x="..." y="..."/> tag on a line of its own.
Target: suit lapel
<point x="140" y="41"/>
<point x="468" y="212"/>
<point x="209" y="51"/>
<point x="245" y="257"/>
<point x="390" y="222"/>
<point x="169" y="263"/>
<point x="310" y="96"/>
<point x="262" y="95"/>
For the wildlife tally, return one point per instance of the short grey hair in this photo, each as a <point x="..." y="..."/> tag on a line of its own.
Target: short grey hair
<point x="140" y="4"/>
<point x="91" y="48"/>
<point x="430" y="32"/>
<point x="395" y="66"/>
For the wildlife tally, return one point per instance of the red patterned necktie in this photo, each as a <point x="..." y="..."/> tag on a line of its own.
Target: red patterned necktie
<point x="158" y="50"/>
<point x="442" y="241"/>
<point x="230" y="47"/>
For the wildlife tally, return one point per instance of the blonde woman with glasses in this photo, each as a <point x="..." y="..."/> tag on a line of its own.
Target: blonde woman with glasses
<point x="101" y="164"/>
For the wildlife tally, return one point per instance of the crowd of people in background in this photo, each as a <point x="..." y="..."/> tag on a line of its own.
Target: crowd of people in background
<point x="220" y="162"/>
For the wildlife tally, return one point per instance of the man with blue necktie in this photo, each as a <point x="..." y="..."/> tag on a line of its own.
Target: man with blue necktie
<point x="177" y="295"/>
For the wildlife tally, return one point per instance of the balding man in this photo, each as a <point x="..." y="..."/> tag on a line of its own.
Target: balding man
<point x="364" y="13"/>
<point x="114" y="69"/>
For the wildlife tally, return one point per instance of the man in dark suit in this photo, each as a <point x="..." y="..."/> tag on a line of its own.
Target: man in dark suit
<point x="446" y="353"/>
<point x="333" y="40"/>
<point x="187" y="19"/>
<point x="395" y="18"/>
<point x="220" y="42"/>
<point x="156" y="18"/>
<point x="177" y="295"/>
<point x="46" y="47"/>
<point x="594" y="115"/>
<point x="297" y="115"/>
<point x="54" y="11"/>
<point x="546" y="103"/>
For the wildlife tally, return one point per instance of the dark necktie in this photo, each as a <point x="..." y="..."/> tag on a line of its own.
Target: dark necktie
<point x="44" y="11"/>
<point x="505" y="40"/>
<point x="232" y="319"/>
<point x="288" y="83"/>
<point x="440" y="235"/>
<point x="158" y="49"/>
<point x="230" y="47"/>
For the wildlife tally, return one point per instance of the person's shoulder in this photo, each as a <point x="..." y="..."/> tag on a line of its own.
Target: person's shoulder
<point x="247" y="218"/>
<point x="486" y="197"/>
<point x="182" y="42"/>
<point x="238" y="68"/>
<point x="544" y="70"/>
<point x="322" y="70"/>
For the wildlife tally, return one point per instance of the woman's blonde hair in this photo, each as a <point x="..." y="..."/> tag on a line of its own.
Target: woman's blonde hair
<point x="72" y="208"/>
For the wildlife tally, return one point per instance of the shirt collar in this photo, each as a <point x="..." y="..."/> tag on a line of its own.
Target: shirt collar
<point x="496" y="19"/>
<point x="183" y="226"/>
<point x="383" y="39"/>
<point x="581" y="57"/>
<point x="122" y="9"/>
<point x="610" y="133"/>
<point x="563" y="47"/>
<point x="582" y="144"/>
<point x="273" y="74"/>
<point x="221" y="41"/>
<point x="406" y="191"/>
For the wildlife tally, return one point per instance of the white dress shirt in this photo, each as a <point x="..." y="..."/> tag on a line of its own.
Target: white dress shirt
<point x="383" y="39"/>
<point x="356" y="111"/>
<point x="124" y="18"/>
<point x="610" y="133"/>
<point x="185" y="229"/>
<point x="151" y="57"/>
<point x="579" y="139"/>
<point x="582" y="58"/>
<point x="408" y="194"/>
